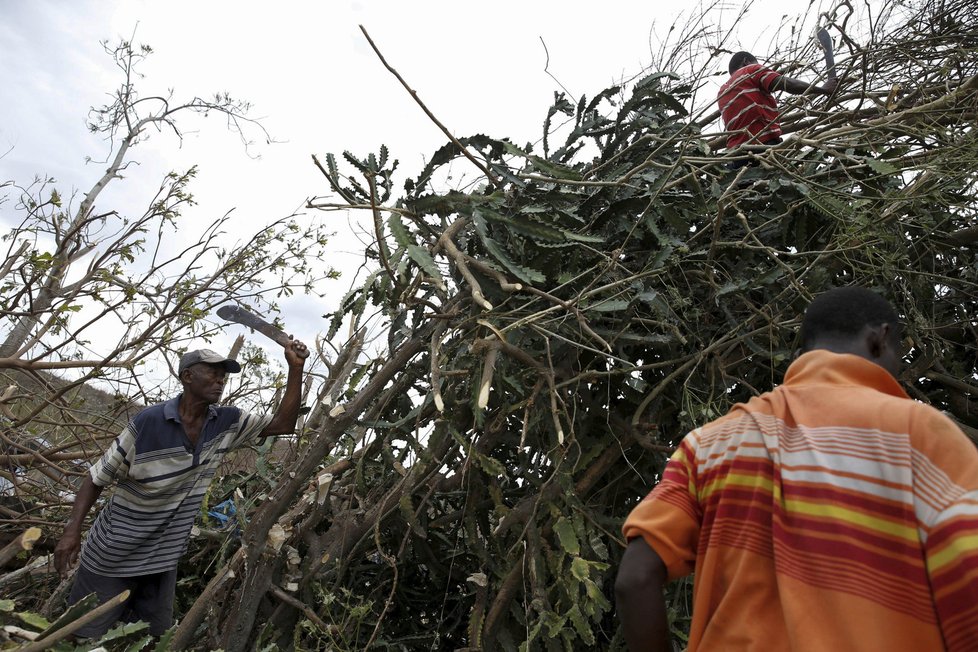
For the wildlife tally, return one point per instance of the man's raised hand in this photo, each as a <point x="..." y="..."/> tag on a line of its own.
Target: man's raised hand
<point x="296" y="353"/>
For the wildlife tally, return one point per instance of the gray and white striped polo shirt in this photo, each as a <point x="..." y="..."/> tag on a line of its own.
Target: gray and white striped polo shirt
<point x="162" y="479"/>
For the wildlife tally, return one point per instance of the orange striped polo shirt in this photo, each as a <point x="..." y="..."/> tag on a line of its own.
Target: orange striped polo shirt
<point x="832" y="513"/>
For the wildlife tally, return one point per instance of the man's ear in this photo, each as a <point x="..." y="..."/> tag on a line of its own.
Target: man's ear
<point x="878" y="340"/>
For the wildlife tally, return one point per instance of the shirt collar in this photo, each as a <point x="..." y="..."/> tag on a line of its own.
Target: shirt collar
<point x="171" y="409"/>
<point x="821" y="367"/>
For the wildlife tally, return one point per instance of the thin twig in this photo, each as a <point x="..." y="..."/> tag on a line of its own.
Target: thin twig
<point x="431" y="116"/>
<point x="306" y="610"/>
<point x="378" y="227"/>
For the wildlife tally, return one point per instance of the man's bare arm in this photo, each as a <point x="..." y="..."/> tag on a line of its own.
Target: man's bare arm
<point x="288" y="410"/>
<point x="68" y="547"/>
<point x="638" y="595"/>
<point x="799" y="87"/>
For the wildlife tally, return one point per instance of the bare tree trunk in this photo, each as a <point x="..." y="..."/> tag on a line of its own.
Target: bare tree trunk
<point x="259" y="567"/>
<point x="69" y="246"/>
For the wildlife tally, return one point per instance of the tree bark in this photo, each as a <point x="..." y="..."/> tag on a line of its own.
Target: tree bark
<point x="23" y="542"/>
<point x="258" y="567"/>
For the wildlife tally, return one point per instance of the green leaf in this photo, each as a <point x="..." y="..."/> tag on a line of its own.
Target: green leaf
<point x="581" y="625"/>
<point x="123" y="630"/>
<point x="733" y="286"/>
<point x="881" y="167"/>
<point x="424" y="260"/>
<point x="493" y="467"/>
<point x="672" y="103"/>
<point x="554" y="169"/>
<point x="596" y="595"/>
<point x="355" y="162"/>
<point x="581" y="237"/>
<point x="141" y="644"/>
<point x="553" y="622"/>
<point x="770" y="276"/>
<point x="334" y="172"/>
<point x="654" y="77"/>
<point x="399" y="231"/>
<point x="532" y="635"/>
<point x="568" y="539"/>
<point x="524" y="226"/>
<point x="6" y="605"/>
<point x="36" y="621"/>
<point x="408" y="513"/>
<point x="580" y="569"/>
<point x="74" y="612"/>
<point x="496" y="250"/>
<point x="599" y="547"/>
<point x="347" y="304"/>
<point x="828" y="205"/>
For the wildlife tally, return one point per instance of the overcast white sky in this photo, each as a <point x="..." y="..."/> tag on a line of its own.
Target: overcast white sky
<point x="313" y="78"/>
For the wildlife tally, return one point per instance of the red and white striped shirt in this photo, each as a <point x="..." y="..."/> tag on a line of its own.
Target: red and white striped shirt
<point x="747" y="106"/>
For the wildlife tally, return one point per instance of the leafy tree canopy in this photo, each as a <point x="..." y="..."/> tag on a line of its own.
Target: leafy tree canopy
<point x="555" y="327"/>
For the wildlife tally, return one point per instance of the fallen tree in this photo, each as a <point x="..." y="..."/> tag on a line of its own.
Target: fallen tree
<point x="554" y="330"/>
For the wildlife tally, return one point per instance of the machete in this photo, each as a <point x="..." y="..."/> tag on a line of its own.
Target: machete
<point x="247" y="318"/>
<point x="825" y="41"/>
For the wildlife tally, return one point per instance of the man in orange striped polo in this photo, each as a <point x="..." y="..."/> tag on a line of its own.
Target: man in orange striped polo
<point x="832" y="513"/>
<point x="747" y="103"/>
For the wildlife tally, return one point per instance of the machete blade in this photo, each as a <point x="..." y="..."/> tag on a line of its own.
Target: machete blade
<point x="825" y="41"/>
<point x="239" y="315"/>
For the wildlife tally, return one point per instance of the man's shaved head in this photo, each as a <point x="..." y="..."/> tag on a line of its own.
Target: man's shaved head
<point x="741" y="59"/>
<point x="844" y="313"/>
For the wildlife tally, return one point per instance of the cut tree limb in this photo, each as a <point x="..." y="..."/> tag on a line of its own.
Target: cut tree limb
<point x="25" y="541"/>
<point x="69" y="629"/>
<point x="27" y="569"/>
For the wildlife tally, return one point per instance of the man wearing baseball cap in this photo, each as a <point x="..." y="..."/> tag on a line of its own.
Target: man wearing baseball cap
<point x="162" y="464"/>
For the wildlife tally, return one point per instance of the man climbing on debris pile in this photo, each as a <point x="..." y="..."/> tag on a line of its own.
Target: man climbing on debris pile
<point x="832" y="513"/>
<point x="747" y="103"/>
<point x="162" y="463"/>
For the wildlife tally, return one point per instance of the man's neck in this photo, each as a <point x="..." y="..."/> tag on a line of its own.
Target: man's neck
<point x="192" y="408"/>
<point x="841" y="346"/>
<point x="854" y="346"/>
